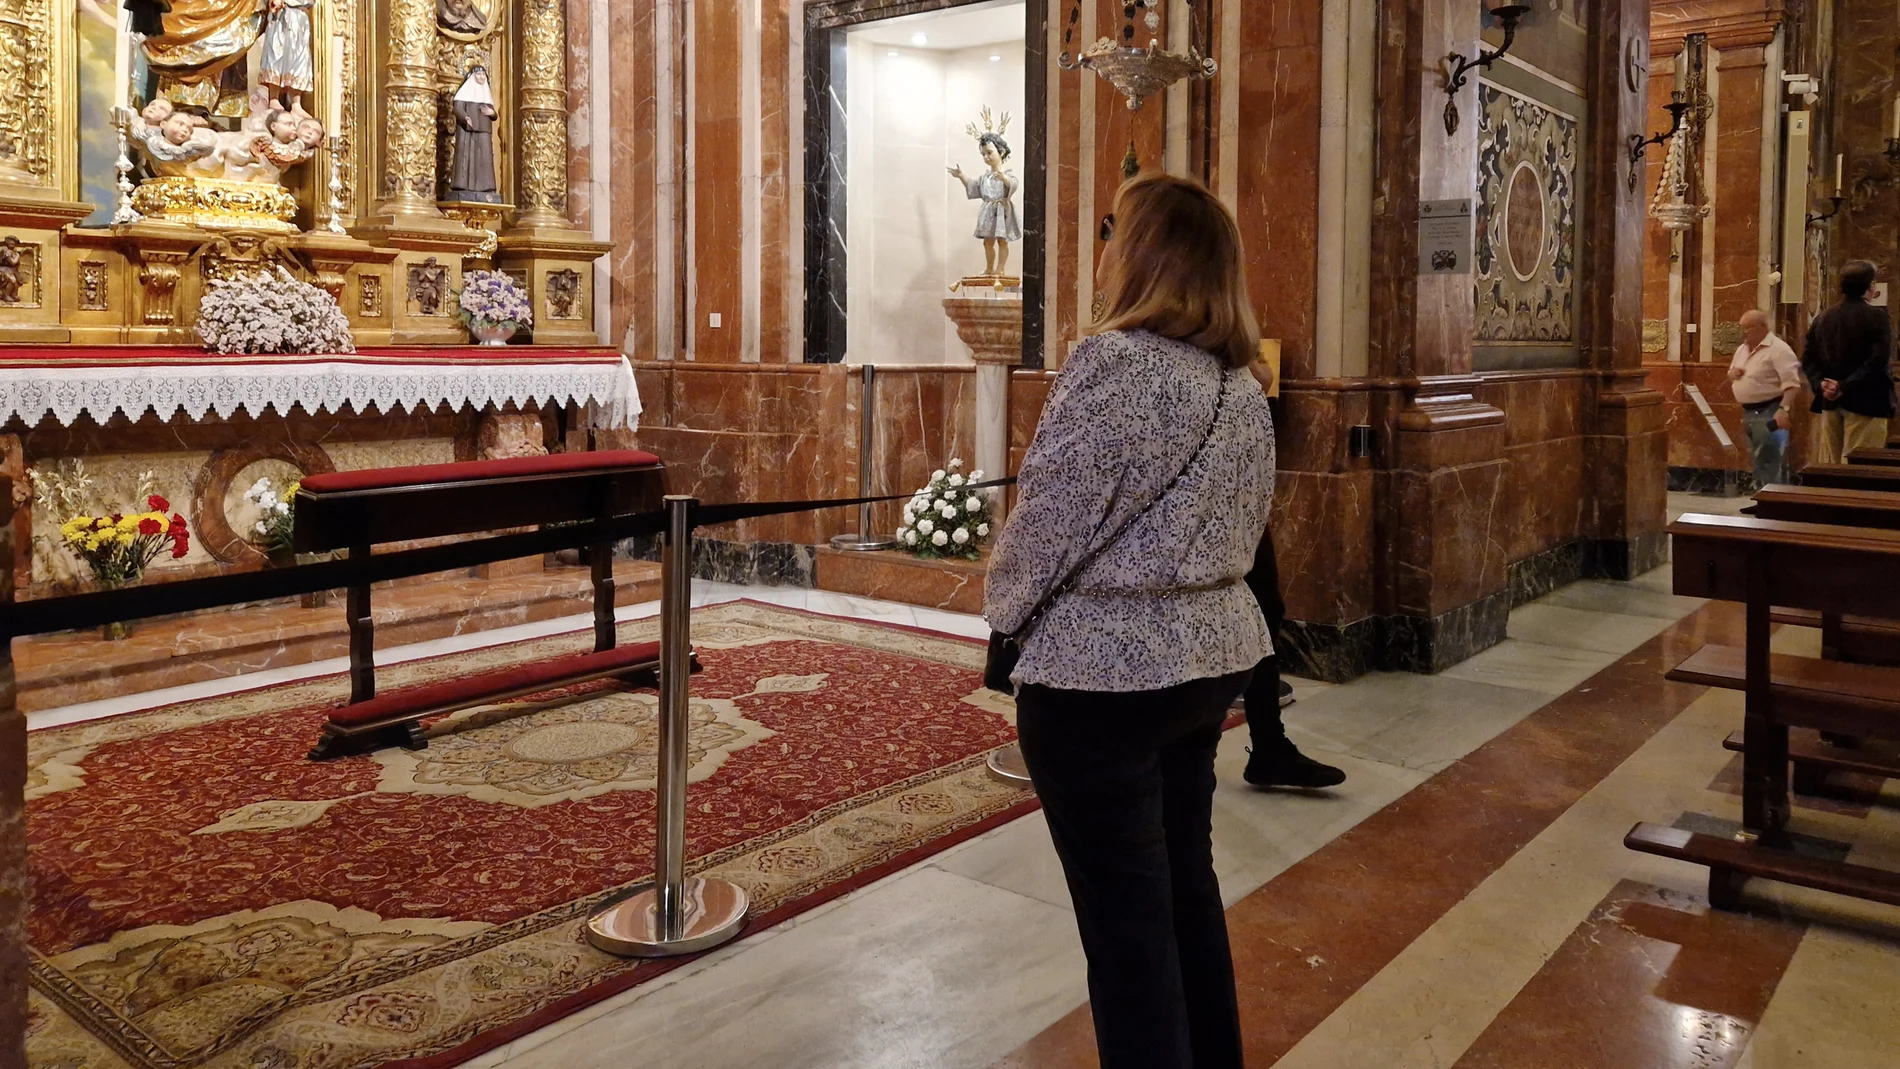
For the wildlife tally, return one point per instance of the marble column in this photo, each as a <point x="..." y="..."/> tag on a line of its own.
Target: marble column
<point x="1624" y="444"/>
<point x="990" y="322"/>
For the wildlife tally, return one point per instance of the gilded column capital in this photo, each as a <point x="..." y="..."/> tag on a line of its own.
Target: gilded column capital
<point x="543" y="108"/>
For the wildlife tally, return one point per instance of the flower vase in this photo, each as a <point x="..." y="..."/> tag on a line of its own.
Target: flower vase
<point x="491" y="333"/>
<point x="117" y="630"/>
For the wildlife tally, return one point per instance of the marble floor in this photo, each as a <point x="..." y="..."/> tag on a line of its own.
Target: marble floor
<point x="1463" y="899"/>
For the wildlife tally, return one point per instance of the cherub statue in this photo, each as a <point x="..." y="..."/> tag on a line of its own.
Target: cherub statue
<point x="171" y="138"/>
<point x="996" y="222"/>
<point x="286" y="67"/>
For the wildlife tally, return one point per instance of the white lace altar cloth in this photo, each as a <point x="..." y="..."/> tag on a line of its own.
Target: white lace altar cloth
<point x="601" y="383"/>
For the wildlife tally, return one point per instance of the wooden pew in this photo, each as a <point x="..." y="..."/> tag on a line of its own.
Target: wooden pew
<point x="1851" y="476"/>
<point x="356" y="511"/>
<point x="1764" y="563"/>
<point x="1888" y="457"/>
<point x="1863" y="639"/>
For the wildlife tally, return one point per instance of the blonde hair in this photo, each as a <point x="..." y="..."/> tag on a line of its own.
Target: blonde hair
<point x="1178" y="269"/>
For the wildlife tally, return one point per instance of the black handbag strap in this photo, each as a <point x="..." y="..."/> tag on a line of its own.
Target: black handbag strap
<point x="1075" y="572"/>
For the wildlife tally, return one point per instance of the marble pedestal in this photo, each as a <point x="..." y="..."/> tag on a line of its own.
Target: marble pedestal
<point x="990" y="322"/>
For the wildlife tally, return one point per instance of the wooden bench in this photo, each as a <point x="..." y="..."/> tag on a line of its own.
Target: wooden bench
<point x="1851" y="476"/>
<point x="1864" y="639"/>
<point x="1764" y="563"/>
<point x="358" y="510"/>
<point x="1888" y="457"/>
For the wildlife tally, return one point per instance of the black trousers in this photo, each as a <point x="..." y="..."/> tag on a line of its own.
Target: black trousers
<point x="1262" y="697"/>
<point x="1127" y="784"/>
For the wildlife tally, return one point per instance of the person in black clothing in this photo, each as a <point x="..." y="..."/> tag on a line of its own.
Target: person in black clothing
<point x="1273" y="760"/>
<point x="1846" y="361"/>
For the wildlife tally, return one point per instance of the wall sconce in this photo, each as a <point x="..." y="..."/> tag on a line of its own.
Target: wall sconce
<point x="1677" y="108"/>
<point x="1834" y="208"/>
<point x="1457" y="66"/>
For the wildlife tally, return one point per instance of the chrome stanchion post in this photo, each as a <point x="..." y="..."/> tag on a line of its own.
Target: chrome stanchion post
<point x="677" y="914"/>
<point x="867" y="440"/>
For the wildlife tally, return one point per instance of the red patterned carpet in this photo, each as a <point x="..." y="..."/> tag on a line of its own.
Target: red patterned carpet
<point x="204" y="895"/>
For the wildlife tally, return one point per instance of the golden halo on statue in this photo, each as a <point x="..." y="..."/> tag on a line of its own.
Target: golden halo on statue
<point x="453" y="16"/>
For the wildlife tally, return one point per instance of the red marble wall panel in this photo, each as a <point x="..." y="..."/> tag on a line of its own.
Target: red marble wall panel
<point x="1866" y="42"/>
<point x="1278" y="201"/>
<point x="580" y="112"/>
<point x="1737" y="218"/>
<point x="1322" y="527"/>
<point x="778" y="82"/>
<point x="634" y="132"/>
<point x="718" y="233"/>
<point x="1065" y="154"/>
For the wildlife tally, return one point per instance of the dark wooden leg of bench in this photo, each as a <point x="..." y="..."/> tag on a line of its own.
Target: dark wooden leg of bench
<point x="601" y="556"/>
<point x="1725" y="887"/>
<point x="1831" y="635"/>
<point x="1765" y="743"/>
<point x="362" y="638"/>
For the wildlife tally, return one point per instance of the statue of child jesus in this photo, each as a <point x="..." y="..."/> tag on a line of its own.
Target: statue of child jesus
<point x="287" y="67"/>
<point x="996" y="222"/>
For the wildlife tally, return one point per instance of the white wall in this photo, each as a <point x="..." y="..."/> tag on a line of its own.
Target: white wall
<point x="908" y="224"/>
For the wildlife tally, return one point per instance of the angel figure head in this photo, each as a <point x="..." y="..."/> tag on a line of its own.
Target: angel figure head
<point x="282" y="126"/>
<point x="156" y="111"/>
<point x="310" y="132"/>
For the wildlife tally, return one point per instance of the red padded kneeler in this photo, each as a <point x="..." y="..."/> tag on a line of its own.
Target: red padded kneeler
<point x="473" y="690"/>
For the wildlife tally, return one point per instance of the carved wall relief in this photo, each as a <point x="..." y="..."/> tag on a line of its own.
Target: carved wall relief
<point x="19" y="273"/>
<point x="428" y="286"/>
<point x="369" y="296"/>
<point x="94" y="296"/>
<point x="564" y="294"/>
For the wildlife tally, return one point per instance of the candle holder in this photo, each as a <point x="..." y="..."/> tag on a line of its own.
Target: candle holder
<point x="1456" y="66"/>
<point x="1677" y="108"/>
<point x="1834" y="208"/>
<point x="124" y="214"/>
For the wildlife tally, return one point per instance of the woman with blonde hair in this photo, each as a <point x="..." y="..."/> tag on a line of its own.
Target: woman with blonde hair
<point x="1119" y="580"/>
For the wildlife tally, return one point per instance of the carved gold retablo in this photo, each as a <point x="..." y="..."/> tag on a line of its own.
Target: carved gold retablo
<point x="217" y="204"/>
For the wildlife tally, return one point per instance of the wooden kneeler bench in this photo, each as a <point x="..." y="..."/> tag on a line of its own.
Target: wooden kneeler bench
<point x="358" y="510"/>
<point x="1767" y="564"/>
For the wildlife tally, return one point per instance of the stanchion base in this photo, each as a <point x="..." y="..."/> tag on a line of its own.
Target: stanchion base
<point x="715" y="912"/>
<point x="1006" y="764"/>
<point x="851" y="541"/>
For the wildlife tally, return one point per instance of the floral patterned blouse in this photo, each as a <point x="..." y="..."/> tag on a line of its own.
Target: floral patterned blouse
<point x="1127" y="412"/>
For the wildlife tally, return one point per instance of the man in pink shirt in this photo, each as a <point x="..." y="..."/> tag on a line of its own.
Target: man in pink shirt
<point x="1766" y="379"/>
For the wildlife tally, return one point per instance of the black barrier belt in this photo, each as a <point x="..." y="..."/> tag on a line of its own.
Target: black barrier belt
<point x="102" y="607"/>
<point x="708" y="515"/>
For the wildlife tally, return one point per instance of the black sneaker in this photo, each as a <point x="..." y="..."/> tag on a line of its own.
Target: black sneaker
<point x="1286" y="694"/>
<point x="1283" y="765"/>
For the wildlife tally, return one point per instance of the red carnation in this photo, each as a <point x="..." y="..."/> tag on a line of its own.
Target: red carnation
<point x="158" y="504"/>
<point x="150" y="526"/>
<point x="178" y="526"/>
<point x="181" y="545"/>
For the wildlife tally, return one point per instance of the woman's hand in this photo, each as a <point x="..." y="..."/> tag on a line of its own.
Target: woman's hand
<point x="1262" y="374"/>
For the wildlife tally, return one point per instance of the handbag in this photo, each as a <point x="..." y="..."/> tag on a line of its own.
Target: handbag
<point x="1006" y="649"/>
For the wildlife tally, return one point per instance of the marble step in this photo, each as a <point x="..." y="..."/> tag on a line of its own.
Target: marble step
<point x="70" y="667"/>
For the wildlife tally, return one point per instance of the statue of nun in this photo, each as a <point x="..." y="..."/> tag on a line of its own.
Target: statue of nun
<point x="472" y="177"/>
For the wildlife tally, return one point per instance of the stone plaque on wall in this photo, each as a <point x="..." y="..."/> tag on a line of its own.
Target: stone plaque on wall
<point x="1444" y="237"/>
<point x="1525" y="254"/>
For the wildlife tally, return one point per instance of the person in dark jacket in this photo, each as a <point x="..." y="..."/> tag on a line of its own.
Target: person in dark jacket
<point x="1846" y="360"/>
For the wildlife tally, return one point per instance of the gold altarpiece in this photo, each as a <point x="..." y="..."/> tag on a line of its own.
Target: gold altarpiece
<point x="368" y="216"/>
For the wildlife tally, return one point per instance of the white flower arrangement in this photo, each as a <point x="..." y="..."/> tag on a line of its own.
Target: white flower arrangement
<point x="268" y="312"/>
<point x="945" y="518"/>
<point x="276" y="521"/>
<point x="492" y="299"/>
